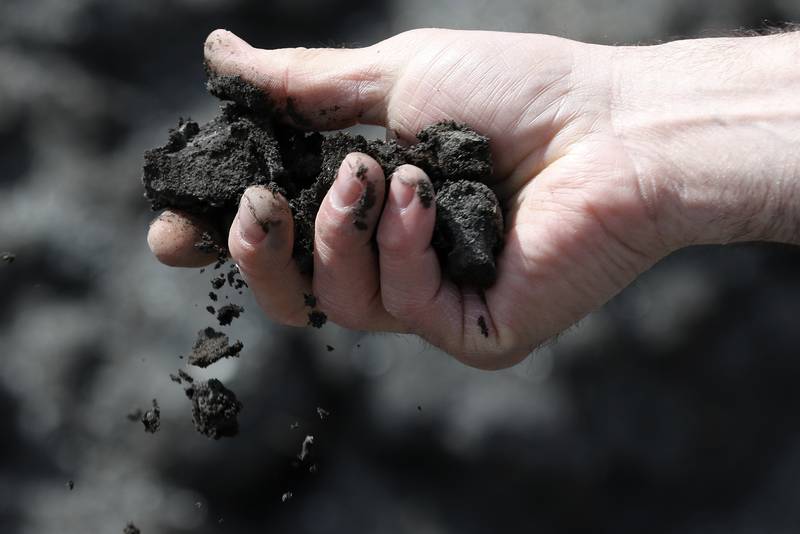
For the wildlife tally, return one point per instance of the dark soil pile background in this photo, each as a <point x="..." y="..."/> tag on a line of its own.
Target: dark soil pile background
<point x="673" y="409"/>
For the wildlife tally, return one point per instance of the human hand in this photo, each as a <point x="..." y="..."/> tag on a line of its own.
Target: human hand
<point x="587" y="209"/>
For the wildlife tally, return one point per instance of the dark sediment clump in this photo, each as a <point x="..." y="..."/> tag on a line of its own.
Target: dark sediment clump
<point x="468" y="232"/>
<point x="215" y="409"/>
<point x="130" y="528"/>
<point x="228" y="313"/>
<point x="211" y="346"/>
<point x="205" y="169"/>
<point x="151" y="419"/>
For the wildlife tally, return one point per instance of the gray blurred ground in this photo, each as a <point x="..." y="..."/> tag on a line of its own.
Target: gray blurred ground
<point x="672" y="409"/>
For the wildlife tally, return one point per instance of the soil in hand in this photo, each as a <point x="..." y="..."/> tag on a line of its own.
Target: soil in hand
<point x="205" y="169"/>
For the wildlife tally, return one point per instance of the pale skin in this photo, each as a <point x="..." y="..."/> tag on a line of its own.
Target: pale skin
<point x="606" y="159"/>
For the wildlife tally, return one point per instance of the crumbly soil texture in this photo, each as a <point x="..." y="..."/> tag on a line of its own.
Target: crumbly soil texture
<point x="204" y="170"/>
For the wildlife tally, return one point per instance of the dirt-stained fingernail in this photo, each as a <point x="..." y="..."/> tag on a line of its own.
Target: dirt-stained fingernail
<point x="402" y="190"/>
<point x="350" y="183"/>
<point x="256" y="214"/>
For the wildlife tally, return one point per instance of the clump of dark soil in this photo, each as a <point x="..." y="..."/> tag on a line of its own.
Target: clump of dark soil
<point x="215" y="409"/>
<point x="130" y="528"/>
<point x="151" y="419"/>
<point x="211" y="346"/>
<point x="205" y="169"/>
<point x="228" y="313"/>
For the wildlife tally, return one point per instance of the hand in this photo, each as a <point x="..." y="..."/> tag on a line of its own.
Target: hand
<point x="587" y="210"/>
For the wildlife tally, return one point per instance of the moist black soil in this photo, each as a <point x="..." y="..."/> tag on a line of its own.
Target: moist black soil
<point x="215" y="409"/>
<point x="211" y="346"/>
<point x="205" y="169"/>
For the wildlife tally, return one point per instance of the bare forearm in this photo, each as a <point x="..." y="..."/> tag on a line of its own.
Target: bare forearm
<point x="713" y="129"/>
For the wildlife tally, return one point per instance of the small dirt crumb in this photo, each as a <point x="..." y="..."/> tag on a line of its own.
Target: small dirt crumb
<point x="483" y="327"/>
<point x="175" y="378"/>
<point x="215" y="409"/>
<point x="213" y="296"/>
<point x="312" y="468"/>
<point x="309" y="300"/>
<point x="71" y="485"/>
<point x="419" y="408"/>
<point x="234" y="278"/>
<point x="322" y="413"/>
<point x="218" y="281"/>
<point x="305" y="448"/>
<point x="211" y="310"/>
<point x="211" y="346"/>
<point x="294" y="425"/>
<point x="183" y="374"/>
<point x="286" y="496"/>
<point x="8" y="257"/>
<point x="134" y="416"/>
<point x="130" y="528"/>
<point x="152" y="419"/>
<point x="228" y="313"/>
<point x="316" y="318"/>
<point x="330" y="348"/>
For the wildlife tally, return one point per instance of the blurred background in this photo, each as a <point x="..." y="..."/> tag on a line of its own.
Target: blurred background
<point x="672" y="409"/>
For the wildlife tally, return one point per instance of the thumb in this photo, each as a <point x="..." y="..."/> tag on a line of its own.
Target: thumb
<point x="316" y="88"/>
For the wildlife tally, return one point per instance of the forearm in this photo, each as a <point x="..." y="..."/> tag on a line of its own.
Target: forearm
<point x="712" y="127"/>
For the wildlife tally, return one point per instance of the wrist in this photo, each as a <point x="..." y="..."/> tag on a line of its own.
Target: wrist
<point x="712" y="128"/>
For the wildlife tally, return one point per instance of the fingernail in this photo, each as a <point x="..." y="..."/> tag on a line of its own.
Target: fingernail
<point x="401" y="191"/>
<point x="349" y="183"/>
<point x="254" y="212"/>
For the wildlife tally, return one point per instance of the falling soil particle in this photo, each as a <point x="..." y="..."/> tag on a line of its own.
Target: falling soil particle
<point x="130" y="528"/>
<point x="218" y="281"/>
<point x="316" y="318"/>
<point x="322" y="413"/>
<point x="71" y="485"/>
<point x="483" y="327"/>
<point x="204" y="170"/>
<point x="312" y="468"/>
<point x="213" y="296"/>
<point x="286" y="496"/>
<point x="228" y="313"/>
<point x="215" y="409"/>
<point x="134" y="416"/>
<point x="184" y="375"/>
<point x="330" y="348"/>
<point x="294" y="425"/>
<point x="152" y="419"/>
<point x="211" y="310"/>
<point x="211" y="346"/>
<point x="309" y="300"/>
<point x="175" y="378"/>
<point x="7" y="257"/>
<point x="305" y="448"/>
